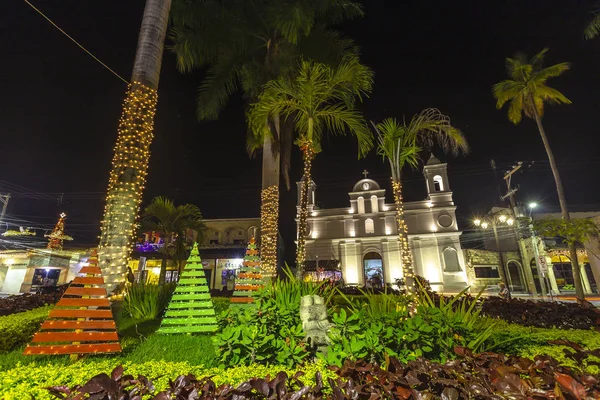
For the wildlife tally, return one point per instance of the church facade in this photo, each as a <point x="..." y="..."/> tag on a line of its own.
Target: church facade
<point x="361" y="241"/>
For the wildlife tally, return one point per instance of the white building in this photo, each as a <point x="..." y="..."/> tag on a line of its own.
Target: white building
<point x="362" y="238"/>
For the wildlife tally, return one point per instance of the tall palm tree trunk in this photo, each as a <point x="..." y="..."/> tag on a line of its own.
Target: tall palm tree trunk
<point x="563" y="205"/>
<point x="132" y="150"/>
<point x="307" y="155"/>
<point x="269" y="208"/>
<point x="405" y="253"/>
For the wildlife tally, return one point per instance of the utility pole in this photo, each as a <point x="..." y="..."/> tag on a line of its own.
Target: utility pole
<point x="510" y="193"/>
<point x="4" y="198"/>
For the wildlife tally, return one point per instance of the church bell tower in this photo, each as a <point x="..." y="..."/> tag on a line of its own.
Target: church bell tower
<point x="436" y="179"/>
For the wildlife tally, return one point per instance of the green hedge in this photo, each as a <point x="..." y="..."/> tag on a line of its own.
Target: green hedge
<point x="221" y="304"/>
<point x="17" y="329"/>
<point x="22" y="382"/>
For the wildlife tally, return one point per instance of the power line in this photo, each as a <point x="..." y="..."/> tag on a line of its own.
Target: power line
<point x="76" y="42"/>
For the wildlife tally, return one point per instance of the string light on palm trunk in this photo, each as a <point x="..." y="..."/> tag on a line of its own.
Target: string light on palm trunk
<point x="269" y="231"/>
<point x="308" y="155"/>
<point x="127" y="181"/>
<point x="406" y="255"/>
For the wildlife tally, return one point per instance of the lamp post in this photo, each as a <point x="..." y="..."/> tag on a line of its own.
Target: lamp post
<point x="493" y="222"/>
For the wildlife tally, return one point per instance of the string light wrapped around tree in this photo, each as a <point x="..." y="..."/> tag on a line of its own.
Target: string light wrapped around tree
<point x="127" y="181"/>
<point x="269" y="231"/>
<point x="308" y="154"/>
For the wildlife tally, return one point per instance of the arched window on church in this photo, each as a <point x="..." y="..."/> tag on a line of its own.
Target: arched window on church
<point x="361" y="205"/>
<point x="369" y="226"/>
<point x="438" y="184"/>
<point x="451" y="260"/>
<point x="374" y="204"/>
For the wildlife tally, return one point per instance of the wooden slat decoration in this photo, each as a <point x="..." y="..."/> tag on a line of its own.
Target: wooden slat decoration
<point x="80" y="313"/>
<point x="75" y="337"/>
<point x="247" y="287"/>
<point x="242" y="300"/>
<point x="94" y="323"/>
<point x="79" y="291"/>
<point x="90" y="270"/>
<point x="74" y="349"/>
<point x="88" y="280"/>
<point x="77" y="302"/>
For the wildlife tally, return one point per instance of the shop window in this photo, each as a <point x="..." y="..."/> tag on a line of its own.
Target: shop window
<point x="171" y="276"/>
<point x="45" y="277"/>
<point x="486" y="271"/>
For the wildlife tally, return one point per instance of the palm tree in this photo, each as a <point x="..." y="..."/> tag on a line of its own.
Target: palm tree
<point x="161" y="215"/>
<point x="244" y="44"/>
<point x="132" y="150"/>
<point x="401" y="145"/>
<point x="318" y="99"/>
<point x="527" y="92"/>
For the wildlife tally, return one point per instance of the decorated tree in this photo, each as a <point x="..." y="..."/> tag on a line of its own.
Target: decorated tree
<point x="57" y="236"/>
<point x="249" y="278"/>
<point x="82" y="320"/>
<point x="191" y="309"/>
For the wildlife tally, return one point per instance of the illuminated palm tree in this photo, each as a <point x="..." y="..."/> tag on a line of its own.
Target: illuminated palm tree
<point x="527" y="92"/>
<point x="132" y="150"/>
<point x="401" y="144"/>
<point x="244" y="44"/>
<point x="319" y="99"/>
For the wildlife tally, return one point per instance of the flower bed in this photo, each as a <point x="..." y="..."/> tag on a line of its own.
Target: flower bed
<point x="29" y="301"/>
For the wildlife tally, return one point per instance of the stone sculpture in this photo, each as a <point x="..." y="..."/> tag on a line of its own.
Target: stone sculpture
<point x="313" y="314"/>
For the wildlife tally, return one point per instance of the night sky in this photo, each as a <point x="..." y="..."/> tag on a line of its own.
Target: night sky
<point x="59" y="110"/>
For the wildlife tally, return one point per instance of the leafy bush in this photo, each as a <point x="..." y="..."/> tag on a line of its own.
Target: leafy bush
<point x="22" y="381"/>
<point x="28" y="301"/>
<point x="542" y="314"/>
<point x="16" y="329"/>
<point x="145" y="302"/>
<point x="269" y="331"/>
<point x="380" y="326"/>
<point x="221" y="304"/>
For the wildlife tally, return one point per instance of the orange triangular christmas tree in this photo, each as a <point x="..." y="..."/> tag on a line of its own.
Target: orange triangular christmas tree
<point x="90" y="328"/>
<point x="249" y="278"/>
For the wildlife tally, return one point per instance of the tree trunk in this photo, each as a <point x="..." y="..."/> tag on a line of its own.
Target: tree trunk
<point x="405" y="253"/>
<point x="163" y="270"/>
<point x="308" y="155"/>
<point x="132" y="150"/>
<point x="563" y="205"/>
<point x="269" y="208"/>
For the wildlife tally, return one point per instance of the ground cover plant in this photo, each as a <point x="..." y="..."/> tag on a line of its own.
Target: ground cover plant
<point x="29" y="301"/>
<point x="17" y="329"/>
<point x="542" y="314"/>
<point x="485" y="376"/>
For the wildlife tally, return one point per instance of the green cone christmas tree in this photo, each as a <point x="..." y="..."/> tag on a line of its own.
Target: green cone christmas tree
<point x="249" y="279"/>
<point x="191" y="309"/>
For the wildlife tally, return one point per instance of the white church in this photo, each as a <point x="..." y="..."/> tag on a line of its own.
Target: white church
<point x="359" y="243"/>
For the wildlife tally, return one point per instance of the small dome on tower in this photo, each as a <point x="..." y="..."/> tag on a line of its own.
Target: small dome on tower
<point x="433" y="160"/>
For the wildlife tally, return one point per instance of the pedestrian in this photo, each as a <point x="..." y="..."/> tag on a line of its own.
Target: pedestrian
<point x="504" y="292"/>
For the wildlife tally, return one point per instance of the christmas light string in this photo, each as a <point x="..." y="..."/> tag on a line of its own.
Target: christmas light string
<point x="269" y="230"/>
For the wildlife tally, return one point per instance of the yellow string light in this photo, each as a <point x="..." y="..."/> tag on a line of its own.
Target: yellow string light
<point x="127" y="181"/>
<point x="405" y="253"/>
<point x="268" y="230"/>
<point x="308" y="155"/>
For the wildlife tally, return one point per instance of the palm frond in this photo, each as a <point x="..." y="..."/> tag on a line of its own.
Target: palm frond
<point x="505" y="91"/>
<point x="593" y="27"/>
<point x="551" y="95"/>
<point x="515" y="110"/>
<point x="551" y="72"/>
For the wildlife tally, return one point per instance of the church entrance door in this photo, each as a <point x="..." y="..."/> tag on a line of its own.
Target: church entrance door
<point x="373" y="269"/>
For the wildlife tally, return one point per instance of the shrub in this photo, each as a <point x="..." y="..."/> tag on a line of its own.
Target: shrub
<point x="16" y="329"/>
<point x="221" y="304"/>
<point x="270" y="331"/>
<point x="145" y="302"/>
<point x="28" y="301"/>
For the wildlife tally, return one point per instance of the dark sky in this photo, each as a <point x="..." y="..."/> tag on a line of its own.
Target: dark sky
<point x="59" y="109"/>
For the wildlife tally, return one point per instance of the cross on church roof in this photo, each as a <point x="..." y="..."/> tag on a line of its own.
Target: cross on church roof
<point x="365" y="173"/>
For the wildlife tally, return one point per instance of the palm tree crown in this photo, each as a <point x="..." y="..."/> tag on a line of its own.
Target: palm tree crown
<point x="526" y="90"/>
<point x="593" y="27"/>
<point x="319" y="99"/>
<point x="402" y="143"/>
